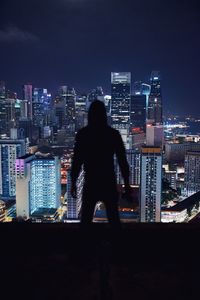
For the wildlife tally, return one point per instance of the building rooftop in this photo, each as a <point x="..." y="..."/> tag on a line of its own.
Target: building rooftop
<point x="185" y="204"/>
<point x="25" y="156"/>
<point x="44" y="212"/>
<point x="61" y="261"/>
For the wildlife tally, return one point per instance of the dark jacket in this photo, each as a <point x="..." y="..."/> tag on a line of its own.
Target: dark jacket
<point x="95" y="148"/>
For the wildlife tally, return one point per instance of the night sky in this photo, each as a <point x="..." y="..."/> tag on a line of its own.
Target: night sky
<point x="79" y="42"/>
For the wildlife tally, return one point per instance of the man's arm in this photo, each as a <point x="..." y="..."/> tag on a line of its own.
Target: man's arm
<point x="77" y="162"/>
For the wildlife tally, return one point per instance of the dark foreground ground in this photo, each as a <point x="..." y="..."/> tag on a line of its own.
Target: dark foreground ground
<point x="59" y="261"/>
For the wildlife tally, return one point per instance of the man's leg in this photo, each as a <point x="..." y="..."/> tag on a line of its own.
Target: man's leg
<point x="87" y="211"/>
<point x="112" y="213"/>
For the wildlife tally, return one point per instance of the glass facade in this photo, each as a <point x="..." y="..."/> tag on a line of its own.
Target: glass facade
<point x="9" y="151"/>
<point x="44" y="184"/>
<point x="120" y="99"/>
<point x="150" y="187"/>
<point x="138" y="112"/>
<point x="155" y="99"/>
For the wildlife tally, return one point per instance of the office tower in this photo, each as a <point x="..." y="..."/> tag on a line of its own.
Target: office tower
<point x="65" y="112"/>
<point x="145" y="89"/>
<point x="12" y="111"/>
<point x="107" y="102"/>
<point x="45" y="185"/>
<point x="41" y="107"/>
<point x="138" y="112"/>
<point x="74" y="205"/>
<point x="192" y="173"/>
<point x="81" y="116"/>
<point x="175" y="152"/>
<point x="25" y="128"/>
<point x="2" y="90"/>
<point x="141" y="88"/>
<point x="2" y="211"/>
<point x="137" y="139"/>
<point x="59" y="110"/>
<point x="2" y="107"/>
<point x="154" y="112"/>
<point x="23" y="109"/>
<point x="120" y="99"/>
<point x="28" y="96"/>
<point x="154" y="135"/>
<point x="70" y="116"/>
<point x="9" y="151"/>
<point x="137" y="88"/>
<point x="120" y="104"/>
<point x="133" y="158"/>
<point x="70" y="108"/>
<point x="171" y="177"/>
<point x="95" y="94"/>
<point x="150" y="184"/>
<point x="23" y="173"/>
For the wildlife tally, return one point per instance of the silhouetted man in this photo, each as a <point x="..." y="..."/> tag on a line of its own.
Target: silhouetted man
<point x="95" y="147"/>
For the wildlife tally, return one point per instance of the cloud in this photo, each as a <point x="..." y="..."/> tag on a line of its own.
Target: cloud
<point x="14" y="34"/>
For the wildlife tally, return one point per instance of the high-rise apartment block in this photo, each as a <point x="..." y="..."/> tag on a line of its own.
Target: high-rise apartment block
<point x="45" y="184"/>
<point x="192" y="173"/>
<point x="23" y="173"/>
<point x="74" y="204"/>
<point x="150" y="186"/>
<point x="2" y="211"/>
<point x="10" y="149"/>
<point x="38" y="188"/>
<point x="2" y="107"/>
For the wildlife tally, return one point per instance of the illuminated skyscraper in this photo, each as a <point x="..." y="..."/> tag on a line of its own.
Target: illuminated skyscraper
<point x="133" y="158"/>
<point x="154" y="112"/>
<point x="38" y="186"/>
<point x="9" y="151"/>
<point x="65" y="111"/>
<point x="120" y="99"/>
<point x="2" y="211"/>
<point x="23" y="174"/>
<point x="95" y="94"/>
<point x="2" y="107"/>
<point x="120" y="104"/>
<point x="81" y="115"/>
<point x="45" y="184"/>
<point x="150" y="184"/>
<point x="28" y="96"/>
<point x="192" y="173"/>
<point x="41" y="106"/>
<point x="74" y="205"/>
<point x="138" y="112"/>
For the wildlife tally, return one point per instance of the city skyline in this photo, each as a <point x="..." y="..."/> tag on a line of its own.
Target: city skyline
<point x="79" y="43"/>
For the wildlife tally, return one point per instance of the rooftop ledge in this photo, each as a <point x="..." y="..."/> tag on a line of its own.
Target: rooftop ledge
<point x="60" y="261"/>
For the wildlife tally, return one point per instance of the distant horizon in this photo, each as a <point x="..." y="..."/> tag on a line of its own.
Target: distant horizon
<point x="85" y="91"/>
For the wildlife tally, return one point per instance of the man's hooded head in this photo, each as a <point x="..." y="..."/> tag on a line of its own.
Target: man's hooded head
<point x="97" y="114"/>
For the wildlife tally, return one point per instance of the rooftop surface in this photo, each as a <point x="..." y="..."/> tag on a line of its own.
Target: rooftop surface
<point x="61" y="261"/>
<point x="185" y="204"/>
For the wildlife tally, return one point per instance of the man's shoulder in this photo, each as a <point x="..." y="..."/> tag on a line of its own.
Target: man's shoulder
<point x="86" y="130"/>
<point x="82" y="132"/>
<point x="114" y="131"/>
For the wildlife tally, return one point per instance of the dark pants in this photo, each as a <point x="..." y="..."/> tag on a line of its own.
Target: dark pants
<point x="89" y="201"/>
